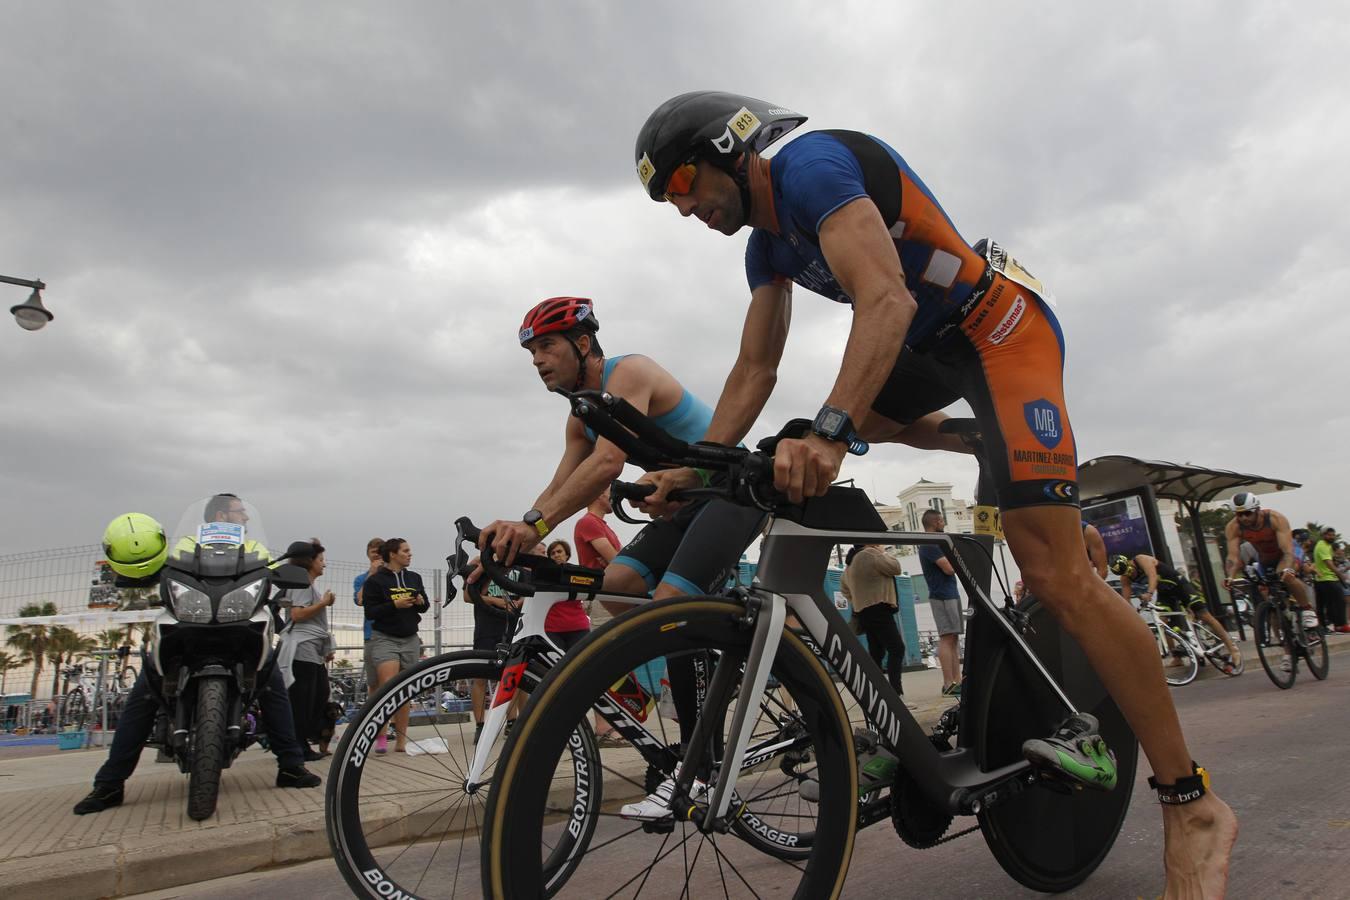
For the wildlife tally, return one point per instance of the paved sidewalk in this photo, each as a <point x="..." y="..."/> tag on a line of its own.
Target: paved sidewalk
<point x="150" y="844"/>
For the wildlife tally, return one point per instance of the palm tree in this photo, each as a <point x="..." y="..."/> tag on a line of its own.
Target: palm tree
<point x="31" y="640"/>
<point x="62" y="643"/>
<point x="7" y="662"/>
<point x="113" y="638"/>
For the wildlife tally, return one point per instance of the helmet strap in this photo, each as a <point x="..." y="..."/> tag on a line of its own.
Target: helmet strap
<point x="581" y="367"/>
<point x="738" y="168"/>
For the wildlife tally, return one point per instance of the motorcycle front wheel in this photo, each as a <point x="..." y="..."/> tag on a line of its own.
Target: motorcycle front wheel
<point x="207" y="750"/>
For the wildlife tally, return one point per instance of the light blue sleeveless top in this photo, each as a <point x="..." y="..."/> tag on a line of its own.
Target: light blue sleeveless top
<point x="688" y="421"/>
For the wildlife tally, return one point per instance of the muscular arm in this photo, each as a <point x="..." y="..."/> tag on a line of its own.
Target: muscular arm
<point x="576" y="448"/>
<point x="862" y="256"/>
<point x="1150" y="570"/>
<point x="755" y="372"/>
<point x="1096" y="550"/>
<point x="1284" y="536"/>
<point x="1233" y="562"/>
<point x="634" y="380"/>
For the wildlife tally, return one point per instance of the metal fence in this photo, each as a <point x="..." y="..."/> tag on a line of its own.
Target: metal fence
<point x="74" y="581"/>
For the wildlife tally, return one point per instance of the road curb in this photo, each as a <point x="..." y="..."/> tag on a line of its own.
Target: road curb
<point x="144" y="863"/>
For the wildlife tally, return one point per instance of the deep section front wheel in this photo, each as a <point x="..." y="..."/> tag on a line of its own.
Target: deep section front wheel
<point x="1045" y="839"/>
<point x="405" y="824"/>
<point x="645" y="853"/>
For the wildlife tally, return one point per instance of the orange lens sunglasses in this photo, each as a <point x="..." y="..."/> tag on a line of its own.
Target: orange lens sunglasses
<point x="681" y="181"/>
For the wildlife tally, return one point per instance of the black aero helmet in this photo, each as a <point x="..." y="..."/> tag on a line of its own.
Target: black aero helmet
<point x="710" y="124"/>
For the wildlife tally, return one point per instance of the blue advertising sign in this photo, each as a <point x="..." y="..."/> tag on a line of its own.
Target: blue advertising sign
<point x="1122" y="524"/>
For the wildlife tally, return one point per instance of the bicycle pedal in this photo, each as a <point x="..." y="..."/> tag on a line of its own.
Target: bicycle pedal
<point x="660" y="826"/>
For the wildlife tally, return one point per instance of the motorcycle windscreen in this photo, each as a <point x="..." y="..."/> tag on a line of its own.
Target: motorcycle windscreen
<point x="219" y="536"/>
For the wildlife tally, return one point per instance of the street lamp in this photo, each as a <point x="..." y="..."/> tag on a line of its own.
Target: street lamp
<point x="31" y="314"/>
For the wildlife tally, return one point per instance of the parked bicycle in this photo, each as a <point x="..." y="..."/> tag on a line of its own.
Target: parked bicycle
<point x="1185" y="645"/>
<point x="348" y="690"/>
<point x="1023" y="676"/>
<point x="82" y="705"/>
<point x="1282" y="639"/>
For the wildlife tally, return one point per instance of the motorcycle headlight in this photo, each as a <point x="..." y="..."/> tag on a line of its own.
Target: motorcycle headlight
<point x="189" y="604"/>
<point x="239" y="604"/>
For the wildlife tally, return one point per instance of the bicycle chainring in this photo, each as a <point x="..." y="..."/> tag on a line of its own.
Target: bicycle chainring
<point x="918" y="822"/>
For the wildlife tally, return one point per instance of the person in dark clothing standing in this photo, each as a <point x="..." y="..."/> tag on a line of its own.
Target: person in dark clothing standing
<point x="394" y="600"/>
<point x="945" y="602"/>
<point x="869" y="584"/>
<point x="305" y="650"/>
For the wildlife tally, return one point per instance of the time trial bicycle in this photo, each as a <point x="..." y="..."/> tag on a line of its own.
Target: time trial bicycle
<point x="1023" y="678"/>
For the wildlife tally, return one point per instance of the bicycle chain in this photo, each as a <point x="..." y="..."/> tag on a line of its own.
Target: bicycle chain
<point x="952" y="837"/>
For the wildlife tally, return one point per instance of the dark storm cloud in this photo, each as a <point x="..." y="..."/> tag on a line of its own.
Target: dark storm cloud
<point x="289" y="244"/>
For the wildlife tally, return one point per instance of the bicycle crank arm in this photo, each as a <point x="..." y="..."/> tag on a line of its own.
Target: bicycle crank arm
<point x="975" y="800"/>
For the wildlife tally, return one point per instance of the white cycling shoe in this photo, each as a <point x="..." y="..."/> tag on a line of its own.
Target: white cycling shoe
<point x="656" y="805"/>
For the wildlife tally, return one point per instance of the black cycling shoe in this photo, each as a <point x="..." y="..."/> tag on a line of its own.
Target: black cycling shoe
<point x="297" y="777"/>
<point x="312" y="755"/>
<point x="1075" y="752"/>
<point x="103" y="796"/>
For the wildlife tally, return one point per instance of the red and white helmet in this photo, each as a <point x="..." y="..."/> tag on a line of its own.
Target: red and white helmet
<point x="558" y="314"/>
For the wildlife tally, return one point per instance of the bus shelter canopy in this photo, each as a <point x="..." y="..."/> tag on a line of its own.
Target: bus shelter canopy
<point x="1186" y="483"/>
<point x="1190" y="485"/>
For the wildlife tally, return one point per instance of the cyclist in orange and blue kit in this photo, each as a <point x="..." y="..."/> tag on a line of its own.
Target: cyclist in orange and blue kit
<point x="935" y="319"/>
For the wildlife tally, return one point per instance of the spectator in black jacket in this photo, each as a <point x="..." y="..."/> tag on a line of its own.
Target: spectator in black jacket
<point x="394" y="601"/>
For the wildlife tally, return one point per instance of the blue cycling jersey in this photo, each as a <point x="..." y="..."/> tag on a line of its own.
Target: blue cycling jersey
<point x="688" y="421"/>
<point x="820" y="172"/>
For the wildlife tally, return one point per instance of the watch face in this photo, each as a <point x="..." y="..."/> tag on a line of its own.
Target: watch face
<point x="830" y="421"/>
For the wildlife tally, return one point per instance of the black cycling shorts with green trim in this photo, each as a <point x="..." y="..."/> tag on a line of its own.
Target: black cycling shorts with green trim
<point x="1174" y="597"/>
<point x="696" y="549"/>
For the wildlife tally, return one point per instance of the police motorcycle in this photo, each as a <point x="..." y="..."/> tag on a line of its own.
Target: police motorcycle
<point x="211" y="650"/>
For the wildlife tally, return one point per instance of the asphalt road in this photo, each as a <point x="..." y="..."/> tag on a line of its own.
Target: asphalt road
<point x="1279" y="758"/>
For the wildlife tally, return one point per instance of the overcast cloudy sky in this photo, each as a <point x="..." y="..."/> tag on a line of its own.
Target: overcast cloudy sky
<point x="289" y="244"/>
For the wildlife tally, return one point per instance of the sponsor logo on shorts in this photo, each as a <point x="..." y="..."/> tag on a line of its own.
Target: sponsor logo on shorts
<point x="1061" y="490"/>
<point x="1009" y="322"/>
<point x="1045" y="421"/>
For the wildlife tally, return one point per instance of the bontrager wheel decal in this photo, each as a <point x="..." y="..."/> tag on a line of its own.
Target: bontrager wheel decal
<point x="558" y="693"/>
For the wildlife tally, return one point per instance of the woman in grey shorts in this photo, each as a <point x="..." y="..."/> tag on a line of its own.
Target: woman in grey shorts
<point x="394" y="600"/>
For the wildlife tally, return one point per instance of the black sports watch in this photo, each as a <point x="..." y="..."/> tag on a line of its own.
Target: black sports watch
<point x="835" y="425"/>
<point x="832" y="424"/>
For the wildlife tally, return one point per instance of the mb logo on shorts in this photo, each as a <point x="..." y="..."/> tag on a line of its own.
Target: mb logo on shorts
<point x="1044" y="420"/>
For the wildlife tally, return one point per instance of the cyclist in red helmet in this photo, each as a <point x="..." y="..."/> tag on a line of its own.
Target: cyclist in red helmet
<point x="561" y="336"/>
